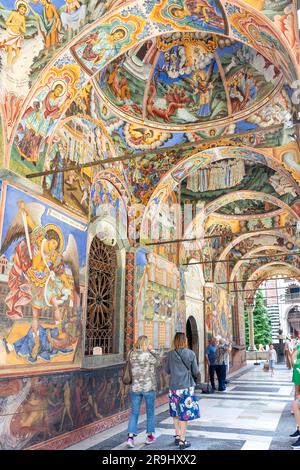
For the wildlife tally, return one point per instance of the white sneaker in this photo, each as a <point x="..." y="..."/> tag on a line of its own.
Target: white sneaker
<point x="130" y="442"/>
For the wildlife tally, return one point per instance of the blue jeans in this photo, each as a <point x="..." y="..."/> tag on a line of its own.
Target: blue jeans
<point x="221" y="374"/>
<point x="136" y="400"/>
<point x="212" y="370"/>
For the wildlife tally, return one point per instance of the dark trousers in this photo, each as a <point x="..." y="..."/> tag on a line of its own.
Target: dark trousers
<point x="212" y="370"/>
<point x="221" y="374"/>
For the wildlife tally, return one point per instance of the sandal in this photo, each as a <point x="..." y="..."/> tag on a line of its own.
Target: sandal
<point x="184" y="444"/>
<point x="177" y="439"/>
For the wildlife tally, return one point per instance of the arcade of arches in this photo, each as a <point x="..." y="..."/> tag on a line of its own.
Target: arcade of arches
<point x="150" y="182"/>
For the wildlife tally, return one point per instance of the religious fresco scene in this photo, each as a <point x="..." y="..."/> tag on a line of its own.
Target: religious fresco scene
<point x="149" y="185"/>
<point x="45" y="273"/>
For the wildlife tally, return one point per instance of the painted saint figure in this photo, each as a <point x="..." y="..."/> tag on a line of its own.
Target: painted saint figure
<point x="16" y="28"/>
<point x="49" y="24"/>
<point x="38" y="275"/>
<point x="204" y="89"/>
<point x="95" y="47"/>
<point x="38" y="120"/>
<point x="73" y="17"/>
<point x="56" y="186"/>
<point x="202" y="14"/>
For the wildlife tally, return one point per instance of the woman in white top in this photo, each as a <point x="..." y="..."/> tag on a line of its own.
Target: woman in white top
<point x="272" y="356"/>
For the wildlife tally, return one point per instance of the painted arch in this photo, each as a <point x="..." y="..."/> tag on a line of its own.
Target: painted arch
<point x="118" y="32"/>
<point x="200" y="160"/>
<point x="256" y="251"/>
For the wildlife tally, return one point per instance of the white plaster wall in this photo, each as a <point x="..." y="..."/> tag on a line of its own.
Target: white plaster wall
<point x="194" y="308"/>
<point x="194" y="282"/>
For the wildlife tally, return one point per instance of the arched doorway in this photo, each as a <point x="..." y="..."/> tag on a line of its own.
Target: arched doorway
<point x="192" y="336"/>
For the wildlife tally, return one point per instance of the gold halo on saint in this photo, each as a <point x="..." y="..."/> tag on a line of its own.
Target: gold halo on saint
<point x="62" y="84"/>
<point x="22" y="3"/>
<point x="120" y="29"/>
<point x="58" y="232"/>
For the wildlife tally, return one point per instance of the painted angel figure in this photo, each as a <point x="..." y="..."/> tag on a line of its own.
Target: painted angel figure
<point x="38" y="275"/>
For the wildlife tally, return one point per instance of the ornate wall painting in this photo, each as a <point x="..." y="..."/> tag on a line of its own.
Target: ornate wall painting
<point x="222" y="314"/>
<point x="35" y="409"/>
<point x="43" y="284"/>
<point x="278" y="111"/>
<point x="41" y="28"/>
<point x="157" y="310"/>
<point x="282" y="13"/>
<point x="223" y="232"/>
<point x="107" y="201"/>
<point x="134" y="30"/>
<point x="205" y="15"/>
<point x="55" y="92"/>
<point x="38" y="408"/>
<point x="194" y="163"/>
<point x="239" y="175"/>
<point x="139" y="138"/>
<point x="1" y="144"/>
<point x="270" y="8"/>
<point x="250" y="77"/>
<point x="76" y="142"/>
<point x="144" y="174"/>
<point x="226" y="78"/>
<point x="166" y="228"/>
<point x="109" y="39"/>
<point x="254" y="31"/>
<point x="291" y="161"/>
<point x="208" y="315"/>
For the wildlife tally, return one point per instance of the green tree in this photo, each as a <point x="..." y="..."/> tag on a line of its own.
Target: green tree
<point x="261" y="321"/>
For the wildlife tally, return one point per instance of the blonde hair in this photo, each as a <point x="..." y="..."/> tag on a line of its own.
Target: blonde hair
<point x="142" y="342"/>
<point x="180" y="341"/>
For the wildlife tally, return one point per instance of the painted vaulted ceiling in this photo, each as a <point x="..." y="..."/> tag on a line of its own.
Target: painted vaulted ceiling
<point x="170" y="86"/>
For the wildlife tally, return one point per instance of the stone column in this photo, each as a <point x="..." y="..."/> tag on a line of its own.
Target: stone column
<point x="251" y="329"/>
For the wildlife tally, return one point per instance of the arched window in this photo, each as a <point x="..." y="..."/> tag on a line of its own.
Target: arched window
<point x="101" y="299"/>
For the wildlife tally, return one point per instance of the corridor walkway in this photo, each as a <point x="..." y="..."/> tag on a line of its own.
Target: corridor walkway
<point x="254" y="414"/>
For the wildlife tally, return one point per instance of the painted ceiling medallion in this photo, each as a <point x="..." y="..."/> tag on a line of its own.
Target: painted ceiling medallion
<point x="184" y="81"/>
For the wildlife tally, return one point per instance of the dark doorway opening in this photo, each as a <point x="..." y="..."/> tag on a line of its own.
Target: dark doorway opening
<point x="192" y="336"/>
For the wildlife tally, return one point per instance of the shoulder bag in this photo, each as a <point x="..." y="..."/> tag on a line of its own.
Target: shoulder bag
<point x="127" y="372"/>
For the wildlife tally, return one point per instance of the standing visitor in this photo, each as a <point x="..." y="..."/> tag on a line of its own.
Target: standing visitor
<point x="296" y="371"/>
<point x="143" y="360"/>
<point x="296" y="402"/>
<point x="222" y="359"/>
<point x="296" y="434"/>
<point x="210" y="355"/>
<point x="228" y="364"/>
<point x="272" y="356"/>
<point x="182" y="367"/>
<point x="288" y="352"/>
